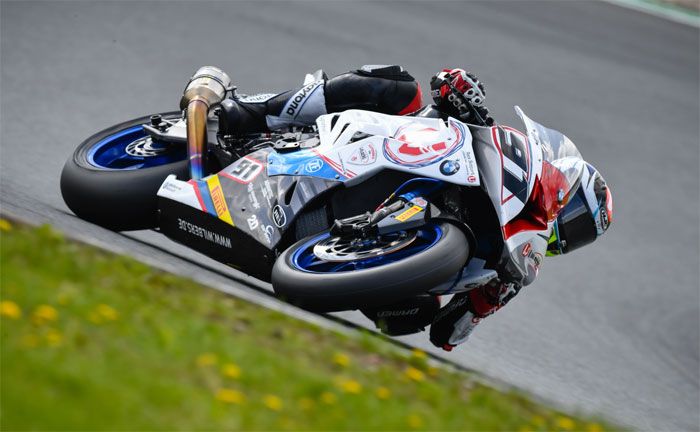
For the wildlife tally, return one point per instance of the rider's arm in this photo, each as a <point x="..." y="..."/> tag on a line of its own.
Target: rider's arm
<point x="384" y="89"/>
<point x="456" y="320"/>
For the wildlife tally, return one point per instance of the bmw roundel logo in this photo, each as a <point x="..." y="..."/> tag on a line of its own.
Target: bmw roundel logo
<point x="449" y="167"/>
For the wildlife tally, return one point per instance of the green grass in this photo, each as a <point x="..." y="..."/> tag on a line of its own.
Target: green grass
<point x="94" y="341"/>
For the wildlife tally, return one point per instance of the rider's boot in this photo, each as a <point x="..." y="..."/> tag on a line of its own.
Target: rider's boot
<point x="458" y="319"/>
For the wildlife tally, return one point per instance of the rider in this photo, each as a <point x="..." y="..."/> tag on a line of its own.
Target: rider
<point x="456" y="93"/>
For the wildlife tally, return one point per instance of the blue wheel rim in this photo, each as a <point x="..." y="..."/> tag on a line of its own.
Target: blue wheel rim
<point x="110" y="153"/>
<point x="303" y="257"/>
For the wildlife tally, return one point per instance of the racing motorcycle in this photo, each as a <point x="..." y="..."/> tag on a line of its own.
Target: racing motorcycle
<point x="361" y="209"/>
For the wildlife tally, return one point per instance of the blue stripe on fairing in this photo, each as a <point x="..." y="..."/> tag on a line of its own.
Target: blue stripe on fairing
<point x="206" y="196"/>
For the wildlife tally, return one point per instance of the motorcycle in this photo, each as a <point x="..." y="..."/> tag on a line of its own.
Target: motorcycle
<point x="361" y="209"/>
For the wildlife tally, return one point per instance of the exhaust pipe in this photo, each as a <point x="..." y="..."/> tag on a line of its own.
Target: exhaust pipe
<point x="206" y="89"/>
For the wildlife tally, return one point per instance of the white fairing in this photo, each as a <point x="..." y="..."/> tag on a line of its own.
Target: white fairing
<point x="510" y="164"/>
<point x="362" y="143"/>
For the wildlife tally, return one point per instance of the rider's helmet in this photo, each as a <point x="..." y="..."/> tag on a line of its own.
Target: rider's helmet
<point x="449" y="87"/>
<point x="586" y="216"/>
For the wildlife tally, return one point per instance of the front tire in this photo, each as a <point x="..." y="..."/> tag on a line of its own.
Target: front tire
<point x="406" y="272"/>
<point x="120" y="194"/>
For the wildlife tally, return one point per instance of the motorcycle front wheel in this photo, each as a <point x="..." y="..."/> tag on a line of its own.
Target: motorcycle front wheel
<point x="113" y="176"/>
<point x="326" y="273"/>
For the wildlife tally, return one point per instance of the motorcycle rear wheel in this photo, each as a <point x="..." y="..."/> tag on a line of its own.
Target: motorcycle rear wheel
<point x="113" y="176"/>
<point x="435" y="253"/>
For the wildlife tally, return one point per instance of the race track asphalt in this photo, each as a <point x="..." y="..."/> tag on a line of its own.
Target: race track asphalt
<point x="613" y="328"/>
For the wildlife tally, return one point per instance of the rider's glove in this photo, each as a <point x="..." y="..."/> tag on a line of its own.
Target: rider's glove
<point x="456" y="321"/>
<point x="453" y="89"/>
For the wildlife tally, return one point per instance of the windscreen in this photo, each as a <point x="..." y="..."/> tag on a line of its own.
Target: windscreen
<point x="562" y="164"/>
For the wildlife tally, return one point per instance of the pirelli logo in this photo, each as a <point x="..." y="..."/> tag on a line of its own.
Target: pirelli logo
<point x="217" y="197"/>
<point x="403" y="217"/>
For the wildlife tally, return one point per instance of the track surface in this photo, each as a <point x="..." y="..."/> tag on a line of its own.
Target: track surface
<point x="612" y="329"/>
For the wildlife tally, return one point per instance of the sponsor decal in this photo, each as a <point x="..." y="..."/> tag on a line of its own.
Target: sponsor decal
<point x="538" y="260"/>
<point x="314" y="165"/>
<point x="279" y="217"/>
<point x="267" y="192"/>
<point x="526" y="249"/>
<point x="365" y="154"/>
<point x="397" y="313"/>
<point x="217" y="197"/>
<point x="295" y="104"/>
<point x="204" y="233"/>
<point x="417" y="148"/>
<point x="244" y="170"/>
<point x="407" y="214"/>
<point x="449" y="167"/>
<point x="257" y="98"/>
<point x="267" y="231"/>
<point x="420" y="202"/>
<point x="253" y="222"/>
<point x="171" y="187"/>
<point x="470" y="166"/>
<point x="604" y="221"/>
<point x="252" y="198"/>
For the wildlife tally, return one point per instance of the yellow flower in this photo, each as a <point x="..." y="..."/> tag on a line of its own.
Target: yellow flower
<point x="54" y="337"/>
<point x="328" y="398"/>
<point x="594" y="427"/>
<point x="231" y="370"/>
<point x="10" y="309"/>
<point x="206" y="359"/>
<point x="30" y="341"/>
<point x="64" y="298"/>
<point x="383" y="393"/>
<point x="565" y="423"/>
<point x="272" y="402"/>
<point x="538" y="420"/>
<point x="5" y="225"/>
<point x="350" y="386"/>
<point x="414" y="374"/>
<point x="107" y="312"/>
<point x="433" y="371"/>
<point x="419" y="354"/>
<point x="230" y="396"/>
<point x="44" y="314"/>
<point x="414" y="421"/>
<point x="95" y="318"/>
<point x="341" y="359"/>
<point x="306" y="404"/>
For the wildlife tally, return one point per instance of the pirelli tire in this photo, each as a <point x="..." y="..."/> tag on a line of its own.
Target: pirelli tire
<point x="118" y="199"/>
<point x="376" y="286"/>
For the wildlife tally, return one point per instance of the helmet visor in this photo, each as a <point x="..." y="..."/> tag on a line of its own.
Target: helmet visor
<point x="575" y="224"/>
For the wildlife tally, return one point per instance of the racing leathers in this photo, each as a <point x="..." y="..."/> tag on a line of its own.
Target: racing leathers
<point x="391" y="90"/>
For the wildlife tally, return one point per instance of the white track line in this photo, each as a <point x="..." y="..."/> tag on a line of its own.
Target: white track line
<point x="659" y="11"/>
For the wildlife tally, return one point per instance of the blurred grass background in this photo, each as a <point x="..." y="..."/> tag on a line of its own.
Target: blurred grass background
<point x="94" y="341"/>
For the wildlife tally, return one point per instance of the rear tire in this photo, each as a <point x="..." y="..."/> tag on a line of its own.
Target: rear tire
<point x="118" y="199"/>
<point x="380" y="285"/>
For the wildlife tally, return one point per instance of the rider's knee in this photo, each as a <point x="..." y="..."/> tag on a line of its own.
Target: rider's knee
<point x="385" y="89"/>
